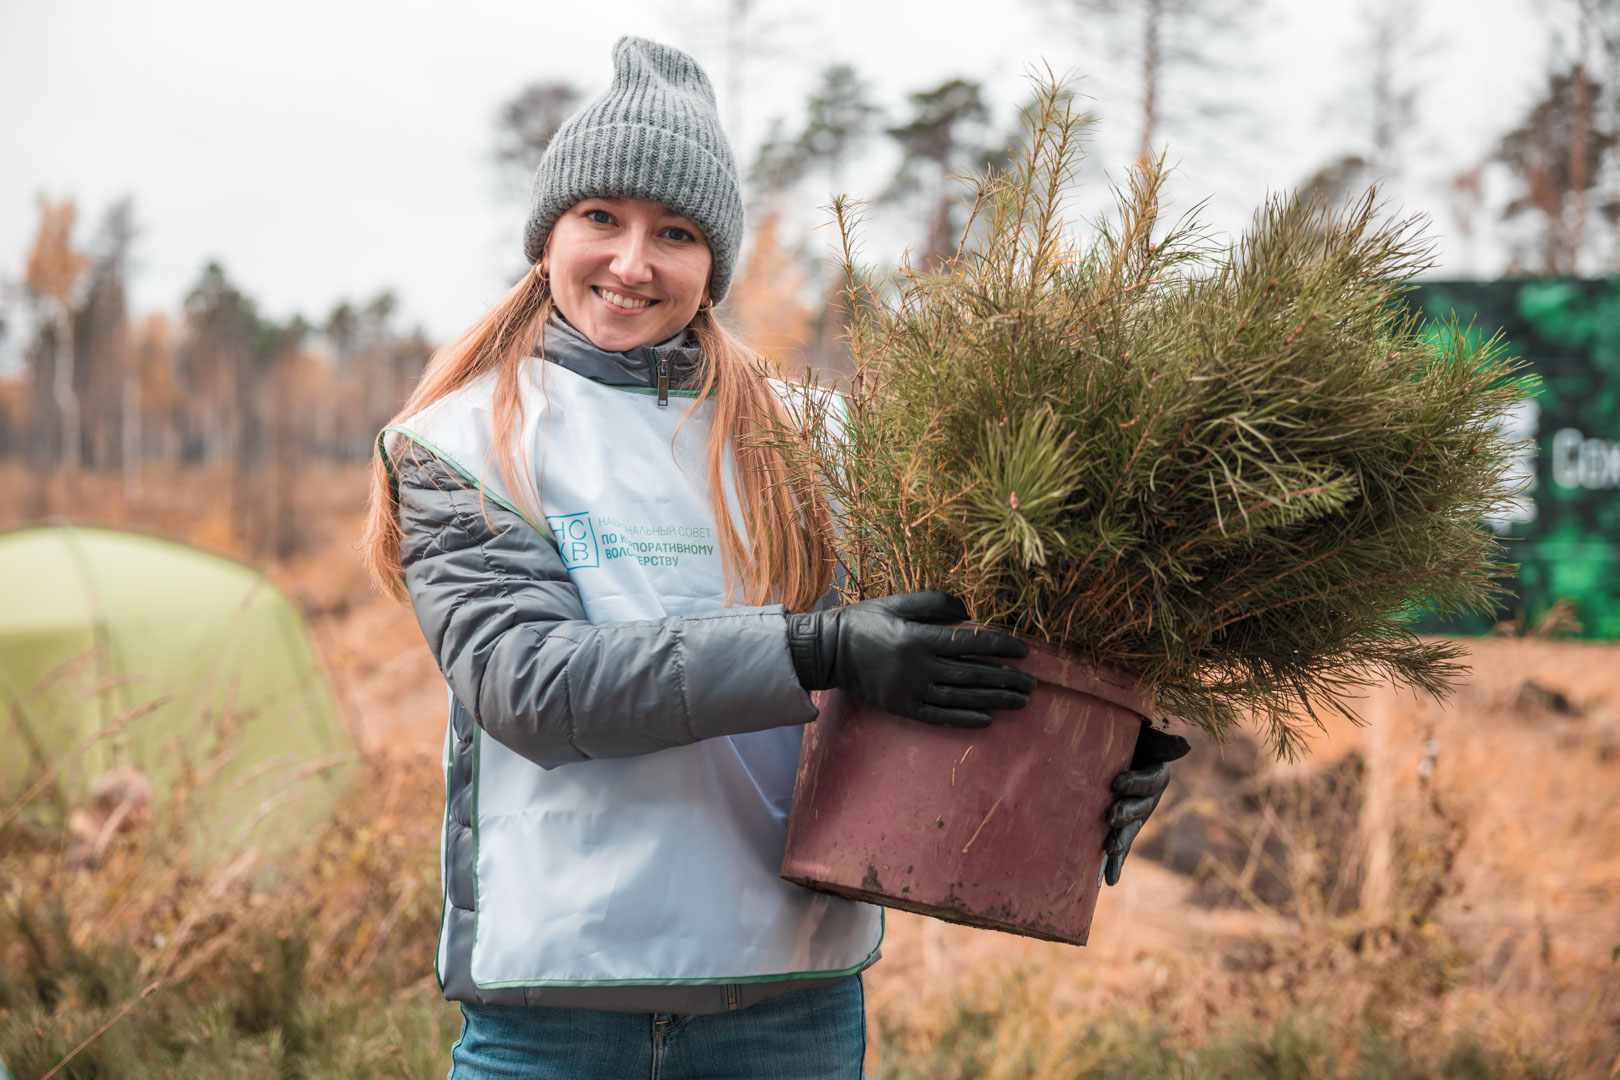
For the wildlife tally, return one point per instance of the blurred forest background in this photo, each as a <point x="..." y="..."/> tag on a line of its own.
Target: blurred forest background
<point x="219" y="383"/>
<point x="1429" y="896"/>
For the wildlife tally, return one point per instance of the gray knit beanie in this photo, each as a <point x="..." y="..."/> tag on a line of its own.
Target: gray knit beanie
<point x="654" y="135"/>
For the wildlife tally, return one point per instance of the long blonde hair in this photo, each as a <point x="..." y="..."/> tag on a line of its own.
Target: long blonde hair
<point x="787" y="557"/>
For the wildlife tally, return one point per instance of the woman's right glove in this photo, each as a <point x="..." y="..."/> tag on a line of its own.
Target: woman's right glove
<point x="890" y="653"/>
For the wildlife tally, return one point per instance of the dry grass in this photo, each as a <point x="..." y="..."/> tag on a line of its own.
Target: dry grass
<point x="1478" y="901"/>
<point x="1394" y="918"/>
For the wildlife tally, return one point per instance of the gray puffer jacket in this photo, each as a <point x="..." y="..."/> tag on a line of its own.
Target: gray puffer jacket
<point x="510" y="633"/>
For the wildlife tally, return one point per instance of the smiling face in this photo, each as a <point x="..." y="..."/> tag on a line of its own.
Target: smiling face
<point x="626" y="272"/>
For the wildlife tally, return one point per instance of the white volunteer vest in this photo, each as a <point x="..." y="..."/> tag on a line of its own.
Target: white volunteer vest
<point x="660" y="868"/>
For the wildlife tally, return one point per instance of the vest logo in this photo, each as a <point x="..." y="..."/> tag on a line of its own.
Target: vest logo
<point x="576" y="540"/>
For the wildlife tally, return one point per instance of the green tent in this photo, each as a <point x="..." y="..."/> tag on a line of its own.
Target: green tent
<point x="123" y="649"/>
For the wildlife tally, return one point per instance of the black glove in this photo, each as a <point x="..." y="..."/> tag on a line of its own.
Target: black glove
<point x="1139" y="789"/>
<point x="890" y="653"/>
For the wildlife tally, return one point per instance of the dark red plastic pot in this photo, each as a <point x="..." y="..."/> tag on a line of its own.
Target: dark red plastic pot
<point x="999" y="827"/>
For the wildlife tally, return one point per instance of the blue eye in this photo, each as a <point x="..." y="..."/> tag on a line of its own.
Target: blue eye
<point x="601" y="217"/>
<point x="675" y="232"/>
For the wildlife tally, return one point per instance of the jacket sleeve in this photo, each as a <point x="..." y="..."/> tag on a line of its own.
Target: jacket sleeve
<point x="510" y="633"/>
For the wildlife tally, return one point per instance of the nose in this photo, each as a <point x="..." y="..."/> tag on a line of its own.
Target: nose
<point x="629" y="263"/>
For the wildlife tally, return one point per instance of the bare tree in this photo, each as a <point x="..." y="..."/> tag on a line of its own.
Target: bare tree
<point x="1581" y="125"/>
<point x="121" y="232"/>
<point x="1393" y="87"/>
<point x="1556" y="154"/>
<point x="1163" y="38"/>
<point x="383" y="378"/>
<point x="101" y="337"/>
<point x="13" y="386"/>
<point x="282" y="532"/>
<point x="739" y="18"/>
<point x="374" y="368"/>
<point x="53" y="273"/>
<point x="1389" y="56"/>
<point x="342" y="331"/>
<point x="1562" y="153"/>
<point x="157" y="421"/>
<point x="750" y="33"/>
<point x="215" y="358"/>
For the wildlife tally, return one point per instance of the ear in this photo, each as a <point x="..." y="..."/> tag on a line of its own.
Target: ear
<point x="541" y="267"/>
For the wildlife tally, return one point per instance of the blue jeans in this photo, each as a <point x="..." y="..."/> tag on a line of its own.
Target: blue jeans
<point x="816" y="1034"/>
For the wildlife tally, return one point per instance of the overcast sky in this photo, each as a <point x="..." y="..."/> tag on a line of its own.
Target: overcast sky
<point x="324" y="149"/>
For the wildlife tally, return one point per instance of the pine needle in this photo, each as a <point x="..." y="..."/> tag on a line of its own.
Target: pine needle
<point x="1236" y="470"/>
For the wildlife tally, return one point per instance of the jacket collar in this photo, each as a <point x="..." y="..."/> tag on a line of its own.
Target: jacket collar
<point x="565" y="345"/>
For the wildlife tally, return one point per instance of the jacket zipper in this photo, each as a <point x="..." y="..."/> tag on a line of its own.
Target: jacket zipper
<point x="663" y="380"/>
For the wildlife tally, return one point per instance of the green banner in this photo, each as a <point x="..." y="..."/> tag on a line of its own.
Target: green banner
<point x="1564" y="531"/>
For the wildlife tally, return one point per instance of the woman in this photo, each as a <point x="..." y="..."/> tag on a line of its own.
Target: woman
<point x="623" y="736"/>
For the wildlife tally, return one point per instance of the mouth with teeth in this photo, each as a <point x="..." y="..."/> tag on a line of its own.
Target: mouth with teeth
<point x="619" y="300"/>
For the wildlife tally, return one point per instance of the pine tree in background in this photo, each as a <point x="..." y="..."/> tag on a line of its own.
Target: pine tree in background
<point x="840" y="118"/>
<point x="946" y="131"/>
<point x="1235" y="471"/>
<point x="524" y="127"/>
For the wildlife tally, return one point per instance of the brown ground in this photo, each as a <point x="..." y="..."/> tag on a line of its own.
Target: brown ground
<point x="1449" y="868"/>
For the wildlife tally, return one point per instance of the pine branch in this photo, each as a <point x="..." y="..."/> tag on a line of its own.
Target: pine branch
<point x="1233" y="469"/>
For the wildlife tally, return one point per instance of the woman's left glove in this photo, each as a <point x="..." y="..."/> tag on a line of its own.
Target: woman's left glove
<point x="1139" y="789"/>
